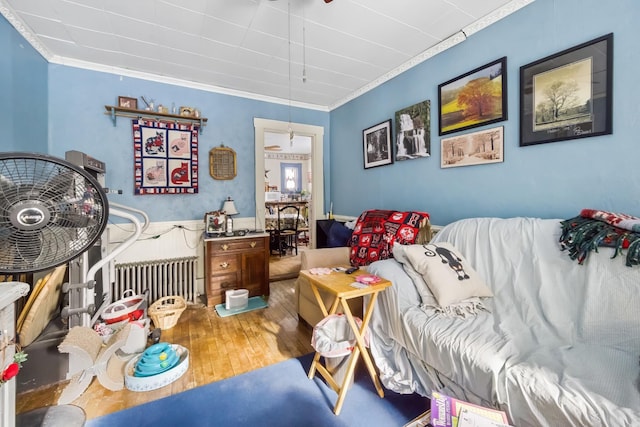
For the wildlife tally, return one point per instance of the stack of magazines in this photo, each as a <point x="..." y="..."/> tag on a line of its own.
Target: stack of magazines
<point x="447" y="411"/>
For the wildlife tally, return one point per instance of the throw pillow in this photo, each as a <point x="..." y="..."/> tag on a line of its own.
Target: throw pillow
<point x="400" y="255"/>
<point x="446" y="272"/>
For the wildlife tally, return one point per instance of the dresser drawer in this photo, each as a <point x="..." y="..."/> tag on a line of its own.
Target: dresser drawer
<point x="236" y="263"/>
<point x="224" y="264"/>
<point x="226" y="282"/>
<point x="236" y="245"/>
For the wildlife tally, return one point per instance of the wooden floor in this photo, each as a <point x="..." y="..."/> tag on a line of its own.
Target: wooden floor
<point x="219" y="348"/>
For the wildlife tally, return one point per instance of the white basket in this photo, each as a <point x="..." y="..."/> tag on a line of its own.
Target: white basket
<point x="236" y="299"/>
<point x="162" y="379"/>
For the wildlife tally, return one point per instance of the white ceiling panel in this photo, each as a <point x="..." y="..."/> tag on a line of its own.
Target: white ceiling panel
<point x="52" y="28"/>
<point x="346" y="46"/>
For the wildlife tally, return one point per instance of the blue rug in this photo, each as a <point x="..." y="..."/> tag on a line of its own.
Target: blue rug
<point x="279" y="395"/>
<point x="254" y="303"/>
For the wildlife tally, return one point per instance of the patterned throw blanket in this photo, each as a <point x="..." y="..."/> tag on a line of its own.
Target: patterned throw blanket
<point x="593" y="228"/>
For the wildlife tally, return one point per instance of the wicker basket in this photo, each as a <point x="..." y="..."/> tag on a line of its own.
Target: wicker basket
<point x="166" y="311"/>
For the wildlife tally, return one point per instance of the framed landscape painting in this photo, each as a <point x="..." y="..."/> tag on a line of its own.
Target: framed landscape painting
<point x="474" y="99"/>
<point x="377" y="145"/>
<point x="413" y="131"/>
<point x="568" y="95"/>
<point x="476" y="148"/>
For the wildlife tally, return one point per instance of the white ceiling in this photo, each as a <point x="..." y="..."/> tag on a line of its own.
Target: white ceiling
<point x="345" y="47"/>
<point x="281" y="143"/>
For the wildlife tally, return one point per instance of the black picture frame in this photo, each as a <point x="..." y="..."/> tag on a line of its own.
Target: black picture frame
<point x="568" y="95"/>
<point x="473" y="99"/>
<point x="377" y="147"/>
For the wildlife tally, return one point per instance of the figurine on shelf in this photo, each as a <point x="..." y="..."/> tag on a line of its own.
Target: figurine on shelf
<point x="149" y="104"/>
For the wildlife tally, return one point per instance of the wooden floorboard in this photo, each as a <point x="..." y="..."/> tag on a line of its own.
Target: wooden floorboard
<point x="219" y="348"/>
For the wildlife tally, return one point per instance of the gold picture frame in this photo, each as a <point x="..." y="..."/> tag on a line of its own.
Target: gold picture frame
<point x="222" y="163"/>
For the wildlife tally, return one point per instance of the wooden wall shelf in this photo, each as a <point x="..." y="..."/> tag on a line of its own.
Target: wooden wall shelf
<point x="115" y="111"/>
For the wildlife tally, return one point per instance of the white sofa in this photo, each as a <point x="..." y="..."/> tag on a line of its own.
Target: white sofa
<point x="558" y="343"/>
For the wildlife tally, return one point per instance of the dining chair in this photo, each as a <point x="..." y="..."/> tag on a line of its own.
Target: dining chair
<point x="287" y="234"/>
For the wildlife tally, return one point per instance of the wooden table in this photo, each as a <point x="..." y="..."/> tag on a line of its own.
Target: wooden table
<point x="339" y="284"/>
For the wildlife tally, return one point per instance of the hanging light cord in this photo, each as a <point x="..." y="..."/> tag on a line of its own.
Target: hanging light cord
<point x="304" y="47"/>
<point x="289" y="52"/>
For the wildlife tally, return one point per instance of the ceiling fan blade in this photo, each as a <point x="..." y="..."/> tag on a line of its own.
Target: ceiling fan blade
<point x="273" y="148"/>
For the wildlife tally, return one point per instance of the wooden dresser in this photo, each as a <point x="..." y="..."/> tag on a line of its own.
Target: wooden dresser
<point x="239" y="262"/>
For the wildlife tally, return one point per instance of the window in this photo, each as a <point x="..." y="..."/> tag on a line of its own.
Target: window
<point x="291" y="177"/>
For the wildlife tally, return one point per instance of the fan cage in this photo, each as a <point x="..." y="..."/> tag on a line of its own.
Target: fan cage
<point x="51" y="211"/>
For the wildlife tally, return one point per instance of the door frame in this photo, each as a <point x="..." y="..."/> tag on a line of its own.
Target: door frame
<point x="316" y="133"/>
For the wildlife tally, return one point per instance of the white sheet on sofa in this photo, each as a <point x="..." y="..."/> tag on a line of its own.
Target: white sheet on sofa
<point x="543" y="301"/>
<point x="466" y="350"/>
<point x="575" y="386"/>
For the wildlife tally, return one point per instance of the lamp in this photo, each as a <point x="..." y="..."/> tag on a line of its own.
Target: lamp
<point x="229" y="209"/>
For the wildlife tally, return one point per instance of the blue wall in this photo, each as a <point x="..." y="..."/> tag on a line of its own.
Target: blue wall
<point x="50" y="108"/>
<point x="77" y="122"/>
<point x="57" y="108"/>
<point x="23" y="93"/>
<point x="552" y="180"/>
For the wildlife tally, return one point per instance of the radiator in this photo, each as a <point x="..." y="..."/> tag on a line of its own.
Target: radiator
<point x="167" y="277"/>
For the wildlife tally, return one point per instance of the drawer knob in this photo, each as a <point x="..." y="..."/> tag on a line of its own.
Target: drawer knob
<point x="253" y="244"/>
<point x="224" y="265"/>
<point x="224" y="247"/>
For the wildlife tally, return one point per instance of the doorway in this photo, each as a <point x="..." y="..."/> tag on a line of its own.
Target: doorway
<point x="315" y="136"/>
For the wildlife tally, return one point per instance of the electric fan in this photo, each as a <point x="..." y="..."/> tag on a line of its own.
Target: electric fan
<point x="52" y="211"/>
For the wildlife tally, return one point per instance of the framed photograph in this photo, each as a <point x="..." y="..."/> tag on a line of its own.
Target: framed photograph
<point x="126" y="102"/>
<point x="377" y="145"/>
<point x="413" y="131"/>
<point x="474" y="99"/>
<point x="568" y="95"/>
<point x="476" y="148"/>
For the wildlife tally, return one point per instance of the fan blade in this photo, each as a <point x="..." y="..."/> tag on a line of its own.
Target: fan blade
<point x="60" y="184"/>
<point x="19" y="250"/>
<point x="74" y="220"/>
<point x="29" y="249"/>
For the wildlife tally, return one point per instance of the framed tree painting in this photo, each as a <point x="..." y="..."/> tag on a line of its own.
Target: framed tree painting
<point x="377" y="145"/>
<point x="474" y="99"/>
<point x="475" y="148"/>
<point x="413" y="131"/>
<point x="568" y="95"/>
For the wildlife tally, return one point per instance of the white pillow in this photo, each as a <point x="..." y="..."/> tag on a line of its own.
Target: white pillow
<point x="399" y="254"/>
<point x="446" y="272"/>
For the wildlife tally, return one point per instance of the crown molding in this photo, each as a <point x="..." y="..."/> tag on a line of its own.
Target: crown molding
<point x="449" y="42"/>
<point x="445" y="44"/>
<point x="24" y="31"/>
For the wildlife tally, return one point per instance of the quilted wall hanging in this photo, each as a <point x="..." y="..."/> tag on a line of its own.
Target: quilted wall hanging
<point x="165" y="157"/>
